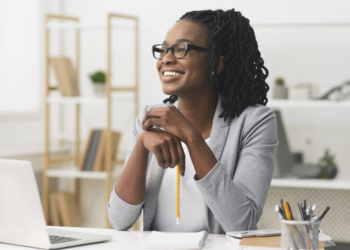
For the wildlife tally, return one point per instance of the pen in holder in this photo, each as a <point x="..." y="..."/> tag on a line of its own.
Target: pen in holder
<point x="297" y="235"/>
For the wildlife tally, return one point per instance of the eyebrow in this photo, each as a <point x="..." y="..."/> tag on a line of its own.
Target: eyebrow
<point x="181" y="41"/>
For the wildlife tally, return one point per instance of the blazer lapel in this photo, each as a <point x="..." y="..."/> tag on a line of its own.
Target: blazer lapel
<point x="218" y="136"/>
<point x="219" y="131"/>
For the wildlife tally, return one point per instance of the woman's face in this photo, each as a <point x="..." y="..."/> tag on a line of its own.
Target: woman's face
<point x="193" y="77"/>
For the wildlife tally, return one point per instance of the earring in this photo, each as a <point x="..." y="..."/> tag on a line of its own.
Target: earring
<point x="212" y="72"/>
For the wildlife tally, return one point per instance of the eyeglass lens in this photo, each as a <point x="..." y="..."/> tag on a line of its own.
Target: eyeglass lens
<point x="161" y="50"/>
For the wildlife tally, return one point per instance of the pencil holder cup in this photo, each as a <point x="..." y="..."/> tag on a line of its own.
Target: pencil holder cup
<point x="297" y="235"/>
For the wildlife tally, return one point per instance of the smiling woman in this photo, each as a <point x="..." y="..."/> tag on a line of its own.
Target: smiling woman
<point x="214" y="125"/>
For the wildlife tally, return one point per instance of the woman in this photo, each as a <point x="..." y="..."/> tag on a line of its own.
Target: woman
<point x="215" y="125"/>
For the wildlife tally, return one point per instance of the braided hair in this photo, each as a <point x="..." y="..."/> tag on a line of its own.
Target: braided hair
<point x="242" y="81"/>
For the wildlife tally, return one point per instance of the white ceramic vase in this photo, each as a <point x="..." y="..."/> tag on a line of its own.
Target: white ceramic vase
<point x="280" y="92"/>
<point x="100" y="89"/>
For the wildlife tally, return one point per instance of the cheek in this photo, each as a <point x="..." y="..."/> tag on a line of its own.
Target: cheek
<point x="199" y="70"/>
<point x="158" y="64"/>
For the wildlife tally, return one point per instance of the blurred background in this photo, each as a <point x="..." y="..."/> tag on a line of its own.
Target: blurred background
<point x="58" y="111"/>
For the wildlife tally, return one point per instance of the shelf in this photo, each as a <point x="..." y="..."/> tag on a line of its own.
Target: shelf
<point x="73" y="26"/>
<point x="75" y="174"/>
<point x="311" y="183"/>
<point x="308" y="104"/>
<point x="85" y="100"/>
<point x="299" y="25"/>
<point x="33" y="150"/>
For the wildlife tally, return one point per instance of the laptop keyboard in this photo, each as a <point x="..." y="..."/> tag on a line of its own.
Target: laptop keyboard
<point x="54" y="239"/>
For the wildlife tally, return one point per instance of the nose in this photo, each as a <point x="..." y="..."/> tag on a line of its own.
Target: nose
<point x="168" y="58"/>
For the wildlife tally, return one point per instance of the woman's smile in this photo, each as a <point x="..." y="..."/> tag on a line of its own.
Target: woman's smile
<point x="171" y="75"/>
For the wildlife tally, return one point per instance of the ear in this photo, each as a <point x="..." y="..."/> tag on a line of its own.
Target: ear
<point x="221" y="65"/>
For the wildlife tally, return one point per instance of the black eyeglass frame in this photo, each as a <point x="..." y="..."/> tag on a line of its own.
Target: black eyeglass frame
<point x="188" y="47"/>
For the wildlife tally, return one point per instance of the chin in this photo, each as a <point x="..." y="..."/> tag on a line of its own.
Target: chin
<point x="168" y="90"/>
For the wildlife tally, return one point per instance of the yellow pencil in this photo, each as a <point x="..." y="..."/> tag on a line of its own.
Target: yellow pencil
<point x="178" y="195"/>
<point x="286" y="210"/>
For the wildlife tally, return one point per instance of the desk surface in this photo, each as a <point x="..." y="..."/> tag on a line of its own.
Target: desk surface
<point x="129" y="240"/>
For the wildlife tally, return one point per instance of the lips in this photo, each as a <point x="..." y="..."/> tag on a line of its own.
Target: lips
<point x="172" y="73"/>
<point x="169" y="75"/>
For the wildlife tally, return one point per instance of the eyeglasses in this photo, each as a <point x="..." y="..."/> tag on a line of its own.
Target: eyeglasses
<point x="178" y="50"/>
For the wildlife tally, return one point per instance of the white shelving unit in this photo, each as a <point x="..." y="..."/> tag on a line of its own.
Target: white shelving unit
<point x="311" y="183"/>
<point x="112" y="95"/>
<point x="308" y="104"/>
<point x="75" y="174"/>
<point x="56" y="99"/>
<point x="75" y="26"/>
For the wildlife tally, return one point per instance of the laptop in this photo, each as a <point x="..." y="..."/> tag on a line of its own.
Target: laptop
<point x="21" y="216"/>
<point x="285" y="163"/>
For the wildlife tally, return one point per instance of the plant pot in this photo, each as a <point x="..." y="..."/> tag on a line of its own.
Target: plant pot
<point x="328" y="172"/>
<point x="280" y="92"/>
<point x="100" y="89"/>
<point x="331" y="172"/>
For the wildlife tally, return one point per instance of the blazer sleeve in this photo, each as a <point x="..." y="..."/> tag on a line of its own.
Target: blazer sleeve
<point x="123" y="215"/>
<point x="237" y="201"/>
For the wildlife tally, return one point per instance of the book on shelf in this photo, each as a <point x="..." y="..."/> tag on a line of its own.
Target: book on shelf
<point x="86" y="150"/>
<point x="92" y="150"/>
<point x="100" y="157"/>
<point x="95" y="150"/>
<point x="67" y="209"/>
<point x="65" y="76"/>
<point x="100" y="154"/>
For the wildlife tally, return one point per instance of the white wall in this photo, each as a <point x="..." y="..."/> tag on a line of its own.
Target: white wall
<point x="310" y="133"/>
<point x="21" y="75"/>
<point x="301" y="55"/>
<point x="291" y="53"/>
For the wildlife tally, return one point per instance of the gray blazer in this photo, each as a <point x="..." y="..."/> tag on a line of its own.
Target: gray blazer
<point x="234" y="191"/>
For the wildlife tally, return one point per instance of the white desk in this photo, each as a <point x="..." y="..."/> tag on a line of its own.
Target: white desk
<point x="130" y="240"/>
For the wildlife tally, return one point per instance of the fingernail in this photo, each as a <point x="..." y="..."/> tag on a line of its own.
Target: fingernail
<point x="182" y="173"/>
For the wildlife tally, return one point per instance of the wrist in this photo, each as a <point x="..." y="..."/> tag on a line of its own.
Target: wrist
<point x="193" y="138"/>
<point x="140" y="146"/>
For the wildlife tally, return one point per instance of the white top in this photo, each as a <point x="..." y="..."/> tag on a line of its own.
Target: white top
<point x="193" y="217"/>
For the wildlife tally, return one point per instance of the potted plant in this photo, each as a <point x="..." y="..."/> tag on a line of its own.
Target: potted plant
<point x="280" y="91"/>
<point x="327" y="166"/>
<point x="99" y="81"/>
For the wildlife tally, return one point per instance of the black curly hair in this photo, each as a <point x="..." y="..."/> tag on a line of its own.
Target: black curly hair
<point x="242" y="81"/>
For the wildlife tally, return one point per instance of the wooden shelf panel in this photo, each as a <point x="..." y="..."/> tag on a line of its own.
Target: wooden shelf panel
<point x="311" y="183"/>
<point x="308" y="104"/>
<point x="76" y="174"/>
<point x="69" y="173"/>
<point x="74" y="26"/>
<point x="85" y="100"/>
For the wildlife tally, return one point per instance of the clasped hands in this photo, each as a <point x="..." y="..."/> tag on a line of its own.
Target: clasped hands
<point x="166" y="144"/>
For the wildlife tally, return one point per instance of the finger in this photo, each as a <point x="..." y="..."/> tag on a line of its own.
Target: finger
<point x="159" y="156"/>
<point x="150" y="122"/>
<point x="159" y="112"/>
<point x="182" y="158"/>
<point x="166" y="154"/>
<point x="174" y="152"/>
<point x="151" y="113"/>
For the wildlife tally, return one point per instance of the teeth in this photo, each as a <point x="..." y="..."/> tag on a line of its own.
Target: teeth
<point x="172" y="73"/>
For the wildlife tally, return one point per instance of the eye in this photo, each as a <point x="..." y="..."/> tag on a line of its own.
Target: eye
<point x="181" y="50"/>
<point x="161" y="50"/>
